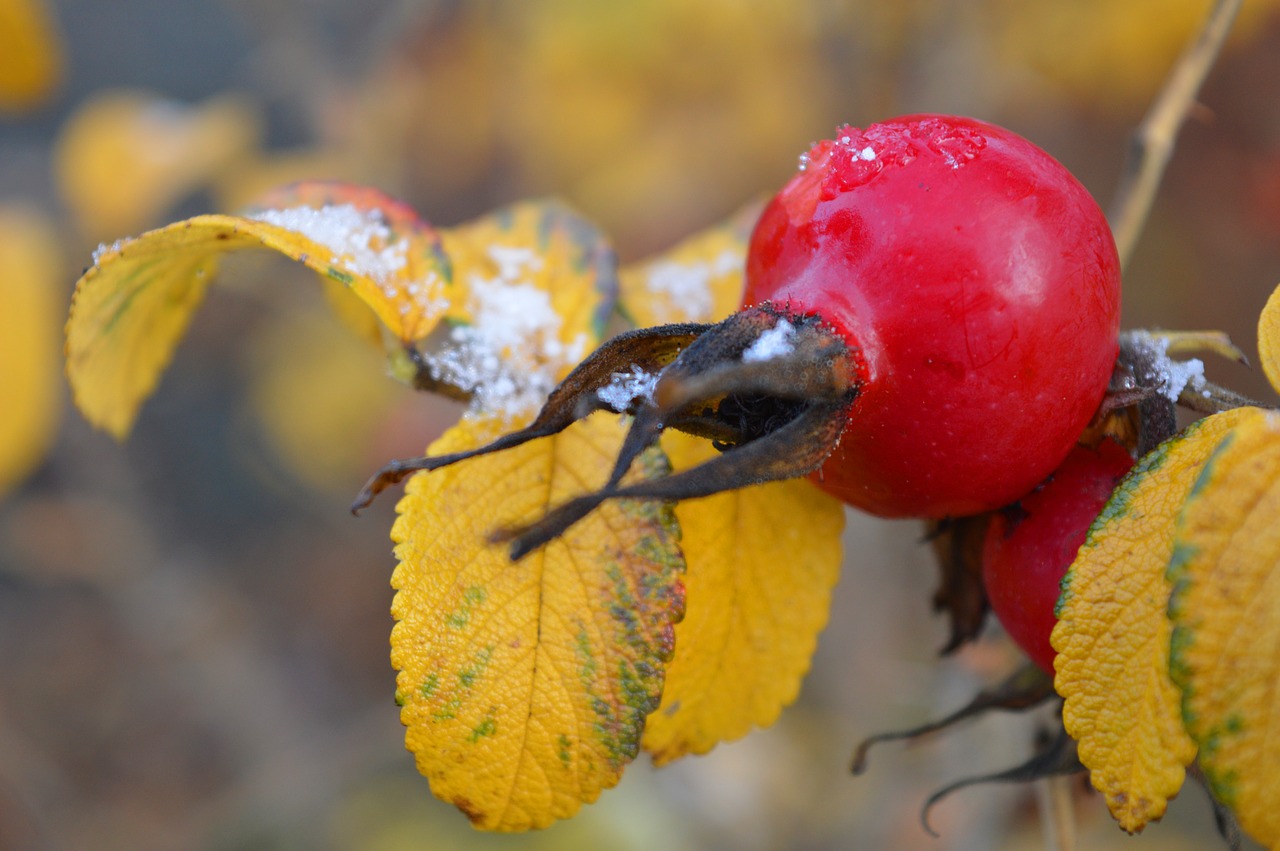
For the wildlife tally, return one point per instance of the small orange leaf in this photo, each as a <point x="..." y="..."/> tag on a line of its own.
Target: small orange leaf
<point x="1269" y="339"/>
<point x="1113" y="633"/>
<point x="30" y="301"/>
<point x="525" y="685"/>
<point x="30" y="54"/>
<point x="540" y="283"/>
<point x="133" y="305"/>
<point x="762" y="562"/>
<point x="699" y="280"/>
<point x="1226" y="615"/>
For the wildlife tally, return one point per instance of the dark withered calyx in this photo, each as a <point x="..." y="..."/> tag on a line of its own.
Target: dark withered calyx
<point x="770" y="390"/>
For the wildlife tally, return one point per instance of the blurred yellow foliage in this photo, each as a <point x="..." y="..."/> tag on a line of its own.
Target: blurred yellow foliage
<point x="320" y="395"/>
<point x="1106" y="54"/>
<point x="125" y="157"/>
<point x="635" y="111"/>
<point x="30" y="55"/>
<point x="30" y="317"/>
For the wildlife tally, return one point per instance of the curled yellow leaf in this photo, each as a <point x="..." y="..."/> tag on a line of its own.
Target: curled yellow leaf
<point x="1226" y="615"/>
<point x="30" y="301"/>
<point x="762" y="563"/>
<point x="133" y="305"/>
<point x="1113" y="632"/>
<point x="1269" y="339"/>
<point x="525" y="685"/>
<point x="699" y="280"/>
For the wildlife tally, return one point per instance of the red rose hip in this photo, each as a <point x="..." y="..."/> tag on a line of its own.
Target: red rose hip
<point x="978" y="284"/>
<point x="1027" y="552"/>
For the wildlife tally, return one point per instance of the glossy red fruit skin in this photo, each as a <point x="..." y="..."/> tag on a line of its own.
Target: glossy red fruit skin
<point x="979" y="282"/>
<point x="1026" y="554"/>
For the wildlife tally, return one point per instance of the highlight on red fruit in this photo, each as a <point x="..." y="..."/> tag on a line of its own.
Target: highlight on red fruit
<point x="1029" y="547"/>
<point x="978" y="284"/>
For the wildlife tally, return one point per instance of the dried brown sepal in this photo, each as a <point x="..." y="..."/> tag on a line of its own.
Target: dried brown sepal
<point x="775" y="418"/>
<point x="957" y="546"/>
<point x="795" y="449"/>
<point x="1025" y="688"/>
<point x="576" y="397"/>
<point x="1056" y="755"/>
<point x="776" y="412"/>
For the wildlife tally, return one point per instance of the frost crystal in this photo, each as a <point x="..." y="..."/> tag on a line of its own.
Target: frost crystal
<point x="626" y="387"/>
<point x="103" y="248"/>
<point x="511" y="356"/>
<point x="359" y="239"/>
<point x="683" y="290"/>
<point x="775" y="342"/>
<point x="1170" y="376"/>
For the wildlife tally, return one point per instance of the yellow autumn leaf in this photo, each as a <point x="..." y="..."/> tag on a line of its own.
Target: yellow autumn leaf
<point x="132" y="306"/>
<point x="1269" y="339"/>
<point x="1226" y="615"/>
<point x="525" y="685"/>
<point x="124" y="157"/>
<point x="30" y="54"/>
<point x="762" y="562"/>
<point x="30" y="301"/>
<point x="540" y="282"/>
<point x="1112" y="635"/>
<point x="699" y="280"/>
<point x="546" y="245"/>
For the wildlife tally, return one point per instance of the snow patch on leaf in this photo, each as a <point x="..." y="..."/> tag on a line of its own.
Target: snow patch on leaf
<point x="683" y="290"/>
<point x="511" y="355"/>
<point x="360" y="239"/>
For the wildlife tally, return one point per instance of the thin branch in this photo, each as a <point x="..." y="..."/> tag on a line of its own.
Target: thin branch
<point x="1057" y="812"/>
<point x="1153" y="142"/>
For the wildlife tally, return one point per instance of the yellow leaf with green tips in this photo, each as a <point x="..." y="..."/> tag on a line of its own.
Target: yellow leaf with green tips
<point x="525" y="685"/>
<point x="1226" y="615"/>
<point x="1113" y="631"/>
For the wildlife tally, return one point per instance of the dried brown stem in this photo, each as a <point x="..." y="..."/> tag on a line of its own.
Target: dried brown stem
<point x="1153" y="142"/>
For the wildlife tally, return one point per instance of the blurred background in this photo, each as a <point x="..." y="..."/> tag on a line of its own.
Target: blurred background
<point x="193" y="630"/>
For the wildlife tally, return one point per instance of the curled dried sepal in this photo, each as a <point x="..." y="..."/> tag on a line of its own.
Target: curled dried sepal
<point x="770" y="389"/>
<point x="573" y="399"/>
<point x="1056" y="756"/>
<point x="1025" y="688"/>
